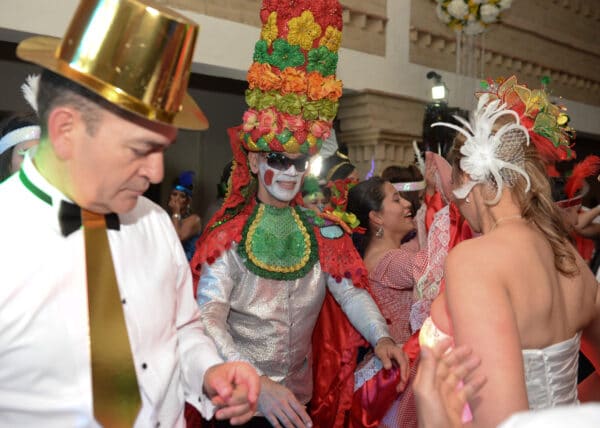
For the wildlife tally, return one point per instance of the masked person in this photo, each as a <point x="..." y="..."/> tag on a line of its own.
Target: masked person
<point x="267" y="268"/>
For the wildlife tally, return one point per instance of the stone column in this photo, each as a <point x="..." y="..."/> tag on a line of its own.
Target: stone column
<point x="380" y="127"/>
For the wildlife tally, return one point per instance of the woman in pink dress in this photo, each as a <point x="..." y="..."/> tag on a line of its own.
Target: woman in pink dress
<point x="388" y="218"/>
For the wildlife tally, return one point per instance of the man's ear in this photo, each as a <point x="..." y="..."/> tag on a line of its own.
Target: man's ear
<point x="253" y="161"/>
<point x="61" y="125"/>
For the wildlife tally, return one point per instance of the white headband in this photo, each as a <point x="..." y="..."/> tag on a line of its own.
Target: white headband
<point x="20" y="135"/>
<point x="410" y="186"/>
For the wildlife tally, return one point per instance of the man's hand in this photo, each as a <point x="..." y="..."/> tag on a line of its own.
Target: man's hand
<point x="440" y="400"/>
<point x="387" y="351"/>
<point x="279" y="405"/>
<point x="234" y="388"/>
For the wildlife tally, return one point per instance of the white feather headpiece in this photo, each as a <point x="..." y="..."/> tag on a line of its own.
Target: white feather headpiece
<point x="482" y="146"/>
<point x="419" y="155"/>
<point x="30" y="90"/>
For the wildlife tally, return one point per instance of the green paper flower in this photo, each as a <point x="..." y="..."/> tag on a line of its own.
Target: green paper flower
<point x="267" y="99"/>
<point x="322" y="60"/>
<point x="285" y="55"/>
<point x="305" y="147"/>
<point x="253" y="97"/>
<point x="310" y="111"/>
<point x="263" y="145"/>
<point x="285" y="136"/>
<point x="261" y="53"/>
<point x="327" y="109"/>
<point x="290" y="103"/>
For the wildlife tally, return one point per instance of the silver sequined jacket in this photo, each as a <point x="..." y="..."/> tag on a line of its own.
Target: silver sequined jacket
<point x="269" y="323"/>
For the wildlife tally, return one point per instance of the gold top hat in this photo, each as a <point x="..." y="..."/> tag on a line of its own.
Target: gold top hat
<point x="135" y="54"/>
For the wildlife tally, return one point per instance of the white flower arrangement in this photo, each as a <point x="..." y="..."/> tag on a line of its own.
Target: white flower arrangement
<point x="470" y="16"/>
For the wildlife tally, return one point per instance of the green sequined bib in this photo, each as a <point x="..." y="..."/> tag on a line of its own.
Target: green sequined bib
<point x="278" y="243"/>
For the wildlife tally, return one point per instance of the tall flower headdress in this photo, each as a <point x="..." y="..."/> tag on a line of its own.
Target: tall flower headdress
<point x="293" y="92"/>
<point x="487" y="153"/>
<point x="292" y="99"/>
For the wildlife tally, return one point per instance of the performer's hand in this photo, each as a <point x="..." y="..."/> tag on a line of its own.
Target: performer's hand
<point x="429" y="176"/>
<point x="234" y="388"/>
<point x="440" y="401"/>
<point x="279" y="405"/>
<point x="387" y="351"/>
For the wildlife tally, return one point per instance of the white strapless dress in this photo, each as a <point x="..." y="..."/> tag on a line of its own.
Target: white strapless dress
<point x="550" y="373"/>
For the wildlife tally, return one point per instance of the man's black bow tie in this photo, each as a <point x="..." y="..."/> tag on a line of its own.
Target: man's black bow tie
<point x="69" y="216"/>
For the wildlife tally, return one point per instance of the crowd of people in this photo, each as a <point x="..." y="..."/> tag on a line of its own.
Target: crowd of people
<point x="454" y="291"/>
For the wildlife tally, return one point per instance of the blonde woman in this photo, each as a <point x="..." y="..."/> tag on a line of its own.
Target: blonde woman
<point x="519" y="295"/>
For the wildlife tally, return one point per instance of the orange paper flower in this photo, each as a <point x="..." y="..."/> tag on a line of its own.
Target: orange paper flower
<point x="332" y="88"/>
<point x="262" y="76"/>
<point x="315" y="85"/>
<point x="293" y="80"/>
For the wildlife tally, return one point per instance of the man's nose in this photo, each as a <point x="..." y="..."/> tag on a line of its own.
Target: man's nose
<point x="153" y="167"/>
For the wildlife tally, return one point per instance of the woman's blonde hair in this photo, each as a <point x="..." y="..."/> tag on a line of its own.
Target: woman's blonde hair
<point x="536" y="205"/>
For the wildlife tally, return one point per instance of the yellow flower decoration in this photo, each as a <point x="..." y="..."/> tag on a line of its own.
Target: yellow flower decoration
<point x="252" y="145"/>
<point x="312" y="140"/>
<point x="292" y="146"/>
<point x="269" y="31"/>
<point x="332" y="39"/>
<point x="269" y="137"/>
<point x="303" y="30"/>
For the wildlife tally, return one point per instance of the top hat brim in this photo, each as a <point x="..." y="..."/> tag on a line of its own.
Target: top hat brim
<point x="41" y="50"/>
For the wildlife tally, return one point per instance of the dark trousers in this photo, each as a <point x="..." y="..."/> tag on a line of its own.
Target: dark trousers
<point x="255" y="422"/>
<point x="195" y="420"/>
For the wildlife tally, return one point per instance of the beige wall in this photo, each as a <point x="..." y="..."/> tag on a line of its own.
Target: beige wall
<point x="400" y="41"/>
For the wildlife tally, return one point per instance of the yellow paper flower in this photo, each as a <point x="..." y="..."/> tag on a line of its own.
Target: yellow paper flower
<point x="332" y="39"/>
<point x="312" y="140"/>
<point x="269" y="31"/>
<point x="303" y="30"/>
<point x="252" y="145"/>
<point x="292" y="146"/>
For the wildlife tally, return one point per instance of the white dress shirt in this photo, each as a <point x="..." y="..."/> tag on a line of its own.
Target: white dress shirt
<point x="45" y="375"/>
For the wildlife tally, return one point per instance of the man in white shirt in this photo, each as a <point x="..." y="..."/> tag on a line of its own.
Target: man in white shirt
<point x="110" y="102"/>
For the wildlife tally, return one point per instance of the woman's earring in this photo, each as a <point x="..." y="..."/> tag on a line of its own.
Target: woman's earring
<point x="379" y="233"/>
<point x="467" y="200"/>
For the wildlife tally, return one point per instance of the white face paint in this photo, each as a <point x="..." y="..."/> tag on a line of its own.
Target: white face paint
<point x="281" y="185"/>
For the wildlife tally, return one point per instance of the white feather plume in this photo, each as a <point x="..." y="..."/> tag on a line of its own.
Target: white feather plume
<point x="30" y="90"/>
<point x="420" y="160"/>
<point x="480" y="159"/>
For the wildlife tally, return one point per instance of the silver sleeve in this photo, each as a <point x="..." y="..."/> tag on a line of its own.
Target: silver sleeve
<point x="361" y="310"/>
<point x="214" y="290"/>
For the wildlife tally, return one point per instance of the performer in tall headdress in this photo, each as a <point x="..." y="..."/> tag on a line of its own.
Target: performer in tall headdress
<point x="268" y="270"/>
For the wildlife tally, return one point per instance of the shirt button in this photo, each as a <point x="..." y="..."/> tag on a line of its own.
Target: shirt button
<point x="157" y="424"/>
<point x="144" y="366"/>
<point x="123" y="301"/>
